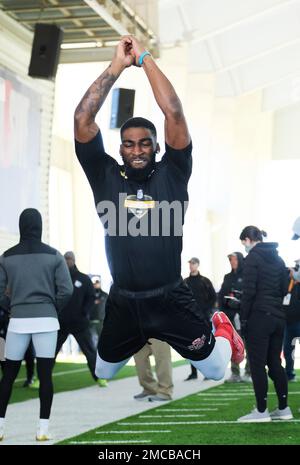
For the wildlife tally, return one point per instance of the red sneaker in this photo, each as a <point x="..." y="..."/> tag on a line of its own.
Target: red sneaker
<point x="224" y="328"/>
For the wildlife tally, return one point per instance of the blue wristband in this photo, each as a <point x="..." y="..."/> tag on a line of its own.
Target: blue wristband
<point x="142" y="56"/>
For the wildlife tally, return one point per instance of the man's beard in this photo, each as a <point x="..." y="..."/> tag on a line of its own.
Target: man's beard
<point x="140" y="174"/>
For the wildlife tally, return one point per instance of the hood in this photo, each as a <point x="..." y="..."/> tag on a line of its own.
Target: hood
<point x="30" y="224"/>
<point x="267" y="250"/>
<point x="73" y="271"/>
<point x="240" y="258"/>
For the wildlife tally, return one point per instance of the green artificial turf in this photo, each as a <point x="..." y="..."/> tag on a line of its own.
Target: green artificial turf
<point x="147" y="429"/>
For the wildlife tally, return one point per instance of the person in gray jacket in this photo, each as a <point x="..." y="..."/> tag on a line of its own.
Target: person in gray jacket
<point x="37" y="281"/>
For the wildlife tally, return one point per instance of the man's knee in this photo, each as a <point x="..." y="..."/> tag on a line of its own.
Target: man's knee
<point x="107" y="370"/>
<point x="217" y="373"/>
<point x="214" y="371"/>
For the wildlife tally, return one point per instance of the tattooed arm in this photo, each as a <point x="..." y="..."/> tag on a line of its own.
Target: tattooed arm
<point x="85" y="127"/>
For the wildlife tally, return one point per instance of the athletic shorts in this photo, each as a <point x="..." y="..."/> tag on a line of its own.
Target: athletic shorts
<point x="173" y="317"/>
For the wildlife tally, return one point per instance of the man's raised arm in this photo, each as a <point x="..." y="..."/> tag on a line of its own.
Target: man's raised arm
<point x="176" y="130"/>
<point x="85" y="127"/>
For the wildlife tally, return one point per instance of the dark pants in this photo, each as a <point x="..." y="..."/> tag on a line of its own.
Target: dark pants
<point x="292" y="331"/>
<point x="44" y="370"/>
<point x="85" y="343"/>
<point x="194" y="371"/>
<point x="264" y="344"/>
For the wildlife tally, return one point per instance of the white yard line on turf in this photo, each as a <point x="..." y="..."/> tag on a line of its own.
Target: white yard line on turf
<point x="134" y="432"/>
<point x="138" y="441"/>
<point x="190" y="409"/>
<point x="200" y="422"/>
<point x="237" y="394"/>
<point x="234" y="391"/>
<point x="221" y="394"/>
<point x="208" y="401"/>
<point x="174" y="416"/>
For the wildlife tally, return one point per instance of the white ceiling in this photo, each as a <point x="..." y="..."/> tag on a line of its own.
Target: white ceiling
<point x="247" y="44"/>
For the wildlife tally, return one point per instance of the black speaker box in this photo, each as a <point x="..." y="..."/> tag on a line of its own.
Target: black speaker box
<point x="122" y="107"/>
<point x="45" y="51"/>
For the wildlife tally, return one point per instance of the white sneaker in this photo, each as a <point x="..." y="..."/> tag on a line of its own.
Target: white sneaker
<point x="234" y="379"/>
<point x="43" y="436"/>
<point x="255" y="417"/>
<point x="1" y="434"/>
<point x="246" y="379"/>
<point x="284" y="414"/>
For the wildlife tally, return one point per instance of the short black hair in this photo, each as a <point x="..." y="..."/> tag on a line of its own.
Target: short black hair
<point x="253" y="233"/>
<point x="138" y="122"/>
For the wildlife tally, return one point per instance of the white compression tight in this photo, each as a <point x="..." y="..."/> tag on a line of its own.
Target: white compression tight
<point x="214" y="366"/>
<point x="107" y="370"/>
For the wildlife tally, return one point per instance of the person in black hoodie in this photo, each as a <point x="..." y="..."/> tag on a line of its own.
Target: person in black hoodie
<point x="265" y="283"/>
<point x="34" y="286"/>
<point x="229" y="302"/>
<point x="75" y="318"/>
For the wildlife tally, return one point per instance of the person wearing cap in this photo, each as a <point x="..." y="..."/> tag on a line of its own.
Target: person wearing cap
<point x="292" y="328"/>
<point x="229" y="302"/>
<point x="205" y="296"/>
<point x="142" y="205"/>
<point x="98" y="312"/>
<point x="75" y="317"/>
<point x="34" y="285"/>
<point x="296" y="235"/>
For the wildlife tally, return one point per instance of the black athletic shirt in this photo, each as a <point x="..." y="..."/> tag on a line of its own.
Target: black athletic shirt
<point x="139" y="262"/>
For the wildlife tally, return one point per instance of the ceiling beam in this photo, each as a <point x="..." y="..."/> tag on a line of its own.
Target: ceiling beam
<point x="103" y="12"/>
<point x="61" y="19"/>
<point x="38" y="9"/>
<point x="94" y="39"/>
<point x="85" y="55"/>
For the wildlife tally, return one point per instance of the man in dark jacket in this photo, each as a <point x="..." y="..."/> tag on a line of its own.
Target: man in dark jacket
<point x="98" y="313"/>
<point x="229" y="302"/>
<point x="75" y="317"/>
<point x="292" y="328"/>
<point x="204" y="294"/>
<point x="231" y="286"/>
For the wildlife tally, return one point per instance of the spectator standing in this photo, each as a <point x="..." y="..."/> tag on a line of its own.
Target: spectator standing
<point x="98" y="312"/>
<point x="162" y="388"/>
<point x="229" y="298"/>
<point x="39" y="284"/>
<point x="292" y="328"/>
<point x="75" y="317"/>
<point x="204" y="295"/>
<point x="265" y="283"/>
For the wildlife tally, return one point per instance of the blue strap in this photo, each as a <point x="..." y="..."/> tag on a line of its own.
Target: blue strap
<point x="142" y="56"/>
